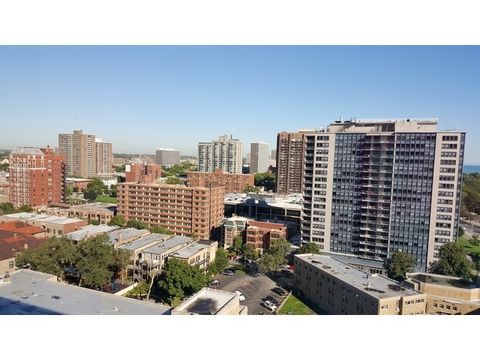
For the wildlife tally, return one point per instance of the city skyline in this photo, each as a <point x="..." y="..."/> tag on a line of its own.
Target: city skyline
<point x="156" y="93"/>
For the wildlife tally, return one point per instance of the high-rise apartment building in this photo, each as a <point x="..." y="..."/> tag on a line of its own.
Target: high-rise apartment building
<point x="375" y="187"/>
<point x="181" y="209"/>
<point x="80" y="152"/>
<point x="167" y="157"/>
<point x="259" y="157"/>
<point x="37" y="177"/>
<point x="142" y="173"/>
<point x="224" y="153"/>
<point x="104" y="157"/>
<point x="290" y="156"/>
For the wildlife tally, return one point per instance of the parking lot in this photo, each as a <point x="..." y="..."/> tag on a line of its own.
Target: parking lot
<point x="254" y="288"/>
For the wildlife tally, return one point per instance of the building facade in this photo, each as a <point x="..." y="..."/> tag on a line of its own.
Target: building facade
<point x="142" y="173"/>
<point x="200" y="253"/>
<point x="104" y="157"/>
<point x="224" y="153"/>
<point x="36" y="177"/>
<point x="336" y="288"/>
<point x="375" y="187"/>
<point x="259" y="157"/>
<point x="181" y="209"/>
<point x="233" y="183"/>
<point x="290" y="161"/>
<point x="167" y="157"/>
<point x="233" y="228"/>
<point x="261" y="234"/>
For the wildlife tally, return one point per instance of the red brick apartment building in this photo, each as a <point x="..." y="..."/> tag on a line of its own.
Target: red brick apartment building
<point x="182" y="209"/>
<point x="233" y="183"/>
<point x="142" y="173"/>
<point x="37" y="177"/>
<point x="260" y="234"/>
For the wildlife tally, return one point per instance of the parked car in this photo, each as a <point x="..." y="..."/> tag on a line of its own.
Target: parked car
<point x="280" y="291"/>
<point x="271" y="299"/>
<point x="214" y="283"/>
<point x="241" y="297"/>
<point x="228" y="272"/>
<point x="269" y="305"/>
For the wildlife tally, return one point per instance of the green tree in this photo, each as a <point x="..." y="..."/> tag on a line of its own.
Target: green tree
<point x="180" y="280"/>
<point x="117" y="220"/>
<point x="249" y="252"/>
<point x="97" y="185"/>
<point x="267" y="180"/>
<point x="453" y="261"/>
<point x="136" y="224"/>
<point x="90" y="195"/>
<point x="160" y="230"/>
<point x="220" y="263"/>
<point x="7" y="208"/>
<point x="52" y="257"/>
<point x="24" y="208"/>
<point x="139" y="291"/>
<point x="69" y="190"/>
<point x="237" y="245"/>
<point x="398" y="265"/>
<point x="172" y="180"/>
<point x="4" y="167"/>
<point x="461" y="231"/>
<point x="275" y="256"/>
<point x="308" y="248"/>
<point x="250" y="188"/>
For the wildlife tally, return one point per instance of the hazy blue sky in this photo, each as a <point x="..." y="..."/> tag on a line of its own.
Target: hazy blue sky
<point x="142" y="98"/>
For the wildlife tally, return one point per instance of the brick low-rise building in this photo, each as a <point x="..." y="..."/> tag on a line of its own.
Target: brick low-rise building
<point x="233" y="183"/>
<point x="142" y="173"/>
<point x="181" y="209"/>
<point x="53" y="225"/>
<point x="261" y="234"/>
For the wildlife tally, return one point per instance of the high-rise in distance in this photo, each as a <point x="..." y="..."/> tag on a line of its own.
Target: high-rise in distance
<point x="167" y="157"/>
<point x="259" y="157"/>
<point x="224" y="153"/>
<point x="37" y="177"/>
<point x="86" y="156"/>
<point x="372" y="188"/>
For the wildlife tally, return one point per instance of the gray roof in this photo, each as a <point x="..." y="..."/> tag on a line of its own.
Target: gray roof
<point x="144" y="241"/>
<point x="50" y="219"/>
<point x="168" y="245"/>
<point x="206" y="302"/>
<point x="34" y="293"/>
<point x="190" y="250"/>
<point x="375" y="285"/>
<point x="89" y="231"/>
<point x="127" y="233"/>
<point x="355" y="260"/>
<point x="27" y="151"/>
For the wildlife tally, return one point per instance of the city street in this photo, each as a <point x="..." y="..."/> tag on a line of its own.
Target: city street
<point x="254" y="288"/>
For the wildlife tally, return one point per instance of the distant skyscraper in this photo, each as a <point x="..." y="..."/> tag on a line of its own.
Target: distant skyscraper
<point x="372" y="188"/>
<point x="167" y="157"/>
<point x="224" y="153"/>
<point x="259" y="157"/>
<point x="104" y="157"/>
<point x="80" y="152"/>
<point x="37" y="177"/>
<point x="290" y="148"/>
<point x="273" y="154"/>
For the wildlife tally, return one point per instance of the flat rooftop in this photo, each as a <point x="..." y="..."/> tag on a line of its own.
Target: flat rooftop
<point x="206" y="302"/>
<point x="90" y="230"/>
<point x="122" y="234"/>
<point x="442" y="280"/>
<point x="190" y="250"/>
<point x="144" y="241"/>
<point x="168" y="244"/>
<point x="375" y="285"/>
<point x="355" y="260"/>
<point x="288" y="202"/>
<point x="34" y="293"/>
<point x="51" y="219"/>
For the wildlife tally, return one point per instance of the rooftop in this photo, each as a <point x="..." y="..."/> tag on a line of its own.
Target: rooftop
<point x="435" y="279"/>
<point x="266" y="225"/>
<point x="190" y="250"/>
<point x="21" y="228"/>
<point x="27" y="151"/>
<point x="122" y="234"/>
<point x="52" y="219"/>
<point x="34" y="293"/>
<point x="11" y="242"/>
<point x="206" y="302"/>
<point x="289" y="202"/>
<point x="375" y="285"/>
<point x="144" y="241"/>
<point x="89" y="231"/>
<point x="168" y="244"/>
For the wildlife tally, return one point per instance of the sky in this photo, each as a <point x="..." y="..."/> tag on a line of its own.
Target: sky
<point x="141" y="98"/>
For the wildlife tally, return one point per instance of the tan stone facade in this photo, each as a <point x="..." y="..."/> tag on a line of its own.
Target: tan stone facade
<point x="336" y="288"/>
<point x="181" y="209"/>
<point x="233" y="183"/>
<point x="200" y="253"/>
